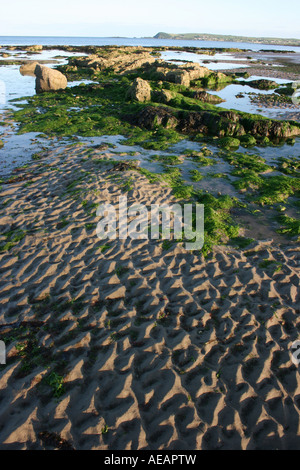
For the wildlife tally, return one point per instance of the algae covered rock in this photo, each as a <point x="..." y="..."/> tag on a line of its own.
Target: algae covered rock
<point x="1" y="144"/>
<point x="270" y="128"/>
<point x="163" y="96"/>
<point x="262" y="84"/>
<point x="287" y="90"/>
<point x="48" y="79"/>
<point x="229" y="143"/>
<point x="207" y="97"/>
<point x="151" y="117"/>
<point x="248" y="141"/>
<point x="140" y="91"/>
<point x="222" y="124"/>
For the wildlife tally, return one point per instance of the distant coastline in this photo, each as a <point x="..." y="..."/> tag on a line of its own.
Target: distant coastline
<point x="219" y="37"/>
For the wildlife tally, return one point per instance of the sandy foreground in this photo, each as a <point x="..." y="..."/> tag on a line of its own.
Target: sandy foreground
<point x="132" y="345"/>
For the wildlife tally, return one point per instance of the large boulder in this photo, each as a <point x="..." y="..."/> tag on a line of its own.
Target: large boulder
<point x="48" y="79"/>
<point x="140" y="90"/>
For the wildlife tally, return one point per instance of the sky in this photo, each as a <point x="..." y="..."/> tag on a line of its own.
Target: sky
<point x="140" y="18"/>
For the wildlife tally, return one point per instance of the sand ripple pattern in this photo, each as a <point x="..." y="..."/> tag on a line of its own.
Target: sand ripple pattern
<point x="159" y="349"/>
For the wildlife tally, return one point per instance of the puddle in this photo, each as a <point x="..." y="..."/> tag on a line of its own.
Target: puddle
<point x="13" y="85"/>
<point x="243" y="101"/>
<point x="205" y="60"/>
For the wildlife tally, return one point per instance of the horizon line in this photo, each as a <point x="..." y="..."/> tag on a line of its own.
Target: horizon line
<point x="148" y="37"/>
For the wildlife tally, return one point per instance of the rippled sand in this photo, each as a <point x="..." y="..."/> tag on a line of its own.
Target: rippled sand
<point x="158" y="348"/>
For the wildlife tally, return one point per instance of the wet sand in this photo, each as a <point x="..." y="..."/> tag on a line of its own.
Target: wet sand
<point x="152" y="347"/>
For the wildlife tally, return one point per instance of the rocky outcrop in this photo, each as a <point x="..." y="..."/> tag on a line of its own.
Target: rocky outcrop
<point x="229" y="123"/>
<point x="48" y="79"/>
<point x="220" y="124"/>
<point x="179" y="74"/>
<point x="270" y="128"/>
<point x="122" y="60"/>
<point x="139" y="91"/>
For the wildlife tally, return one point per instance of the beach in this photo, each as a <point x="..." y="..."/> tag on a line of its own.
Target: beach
<point x="142" y="344"/>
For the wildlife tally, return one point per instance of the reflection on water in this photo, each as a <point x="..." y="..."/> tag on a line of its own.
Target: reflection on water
<point x="13" y="85"/>
<point x="202" y="59"/>
<point x="237" y="97"/>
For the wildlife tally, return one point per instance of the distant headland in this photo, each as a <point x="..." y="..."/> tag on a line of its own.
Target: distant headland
<point x="220" y="37"/>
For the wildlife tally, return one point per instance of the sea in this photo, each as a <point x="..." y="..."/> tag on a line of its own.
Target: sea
<point x="120" y="41"/>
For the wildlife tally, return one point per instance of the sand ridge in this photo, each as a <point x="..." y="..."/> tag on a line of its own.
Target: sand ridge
<point x="157" y="348"/>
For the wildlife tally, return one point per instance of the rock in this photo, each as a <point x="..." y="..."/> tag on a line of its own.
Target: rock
<point x="163" y="96"/>
<point x="209" y="123"/>
<point x="229" y="143"/>
<point x="1" y="144"/>
<point x="248" y="141"/>
<point x="221" y="77"/>
<point x="285" y="90"/>
<point x="262" y="84"/>
<point x="269" y="128"/>
<point x="28" y="69"/>
<point x="48" y="79"/>
<point x="229" y="123"/>
<point x="151" y="117"/>
<point x="36" y="48"/>
<point x="140" y="90"/>
<point x="121" y="60"/>
<point x="180" y="74"/>
<point x="207" y="97"/>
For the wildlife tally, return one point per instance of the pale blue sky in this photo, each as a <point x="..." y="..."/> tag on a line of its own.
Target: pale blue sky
<point x="145" y="18"/>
